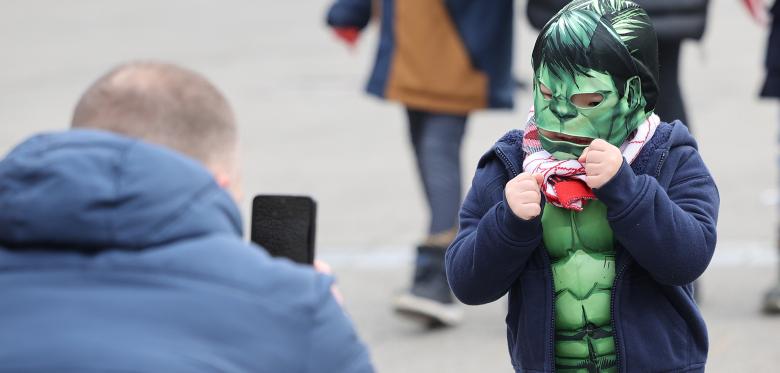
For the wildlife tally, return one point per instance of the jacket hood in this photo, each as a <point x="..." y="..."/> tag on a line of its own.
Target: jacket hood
<point x="681" y="136"/>
<point x="87" y="190"/>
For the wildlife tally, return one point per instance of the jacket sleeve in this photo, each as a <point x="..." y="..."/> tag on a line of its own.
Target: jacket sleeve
<point x="350" y="13"/>
<point x="670" y="233"/>
<point x="493" y="244"/>
<point x="334" y="344"/>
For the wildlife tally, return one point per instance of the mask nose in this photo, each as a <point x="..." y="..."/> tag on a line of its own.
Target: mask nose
<point x="563" y="109"/>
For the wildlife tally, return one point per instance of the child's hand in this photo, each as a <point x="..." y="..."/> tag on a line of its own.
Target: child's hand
<point x="523" y="195"/>
<point x="602" y="161"/>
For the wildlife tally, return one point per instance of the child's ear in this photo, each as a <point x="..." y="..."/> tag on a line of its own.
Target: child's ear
<point x="634" y="95"/>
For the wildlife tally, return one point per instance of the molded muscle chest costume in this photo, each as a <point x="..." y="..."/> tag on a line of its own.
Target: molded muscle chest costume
<point x="595" y="76"/>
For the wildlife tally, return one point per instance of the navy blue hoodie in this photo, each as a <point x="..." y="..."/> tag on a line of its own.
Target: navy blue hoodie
<point x="117" y="255"/>
<point x="663" y="210"/>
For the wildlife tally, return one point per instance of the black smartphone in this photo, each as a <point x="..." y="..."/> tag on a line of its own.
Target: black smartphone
<point x="285" y="226"/>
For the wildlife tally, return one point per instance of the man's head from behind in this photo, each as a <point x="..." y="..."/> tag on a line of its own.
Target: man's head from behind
<point x="169" y="106"/>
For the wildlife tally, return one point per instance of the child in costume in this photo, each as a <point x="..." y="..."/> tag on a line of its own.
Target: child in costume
<point x="597" y="217"/>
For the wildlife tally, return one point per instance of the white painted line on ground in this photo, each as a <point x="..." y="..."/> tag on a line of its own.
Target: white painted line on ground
<point x="732" y="254"/>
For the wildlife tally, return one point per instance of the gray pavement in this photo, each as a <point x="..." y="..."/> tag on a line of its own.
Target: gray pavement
<point x="308" y="129"/>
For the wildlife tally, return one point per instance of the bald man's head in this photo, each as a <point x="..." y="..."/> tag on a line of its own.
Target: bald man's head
<point x="169" y="106"/>
<point x="163" y="104"/>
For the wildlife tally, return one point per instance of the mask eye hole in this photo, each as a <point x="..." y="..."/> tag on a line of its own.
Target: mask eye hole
<point x="546" y="92"/>
<point x="587" y="100"/>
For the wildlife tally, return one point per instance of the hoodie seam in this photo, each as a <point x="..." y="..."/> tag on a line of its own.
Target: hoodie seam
<point x="202" y="192"/>
<point x="312" y="311"/>
<point x="691" y="178"/>
<point x="118" y="178"/>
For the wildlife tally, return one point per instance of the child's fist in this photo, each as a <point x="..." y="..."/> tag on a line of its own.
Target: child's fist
<point x="523" y="195"/>
<point x="602" y="161"/>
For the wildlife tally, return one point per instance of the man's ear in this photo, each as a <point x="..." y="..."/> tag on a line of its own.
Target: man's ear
<point x="231" y="182"/>
<point x="223" y="179"/>
<point x="633" y="93"/>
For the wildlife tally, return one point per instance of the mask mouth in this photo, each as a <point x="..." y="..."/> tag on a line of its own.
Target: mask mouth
<point x="557" y="136"/>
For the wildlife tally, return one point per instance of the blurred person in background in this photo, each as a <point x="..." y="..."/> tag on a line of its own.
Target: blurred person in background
<point x="121" y="246"/>
<point x="441" y="60"/>
<point x="675" y="21"/>
<point x="770" y="89"/>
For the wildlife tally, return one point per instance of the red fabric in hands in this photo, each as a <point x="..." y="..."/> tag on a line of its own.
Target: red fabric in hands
<point x="570" y="190"/>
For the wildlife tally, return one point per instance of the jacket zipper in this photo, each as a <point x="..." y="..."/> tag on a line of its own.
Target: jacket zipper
<point x="612" y="313"/>
<point x="506" y="162"/>
<point x="551" y="345"/>
<point x="548" y="268"/>
<point x="660" y="164"/>
<point x="618" y="277"/>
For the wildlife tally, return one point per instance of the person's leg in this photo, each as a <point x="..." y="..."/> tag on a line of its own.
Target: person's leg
<point x="438" y="156"/>
<point x="416" y="120"/>
<point x="670" y="104"/>
<point x="437" y="140"/>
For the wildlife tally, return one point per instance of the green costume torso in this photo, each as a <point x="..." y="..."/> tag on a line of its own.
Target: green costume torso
<point x="581" y="247"/>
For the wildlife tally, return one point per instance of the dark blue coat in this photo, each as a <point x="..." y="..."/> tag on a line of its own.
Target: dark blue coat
<point x="427" y="71"/>
<point x="662" y="209"/>
<point x="116" y="255"/>
<point x="771" y="87"/>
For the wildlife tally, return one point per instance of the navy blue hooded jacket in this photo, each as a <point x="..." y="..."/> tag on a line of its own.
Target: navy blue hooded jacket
<point x="663" y="210"/>
<point x="117" y="255"/>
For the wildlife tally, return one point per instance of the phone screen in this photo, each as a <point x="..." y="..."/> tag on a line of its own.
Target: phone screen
<point x="285" y="226"/>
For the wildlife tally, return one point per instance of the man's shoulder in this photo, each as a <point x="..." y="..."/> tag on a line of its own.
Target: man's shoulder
<point x="237" y="264"/>
<point x="195" y="266"/>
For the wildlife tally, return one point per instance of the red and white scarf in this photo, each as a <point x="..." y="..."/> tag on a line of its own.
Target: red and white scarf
<point x="564" y="181"/>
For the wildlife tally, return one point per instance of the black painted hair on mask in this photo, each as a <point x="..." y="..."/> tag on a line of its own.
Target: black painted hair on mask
<point x="615" y="37"/>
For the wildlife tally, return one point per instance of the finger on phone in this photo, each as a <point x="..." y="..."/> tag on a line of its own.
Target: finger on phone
<point x="322" y="267"/>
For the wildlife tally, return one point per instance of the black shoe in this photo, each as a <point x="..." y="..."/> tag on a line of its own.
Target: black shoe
<point x="430" y="299"/>
<point x="772" y="301"/>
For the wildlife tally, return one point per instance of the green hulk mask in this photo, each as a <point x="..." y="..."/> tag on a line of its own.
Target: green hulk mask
<point x="595" y="73"/>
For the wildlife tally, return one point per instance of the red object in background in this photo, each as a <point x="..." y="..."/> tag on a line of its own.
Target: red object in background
<point x="347" y="34"/>
<point x="757" y="10"/>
